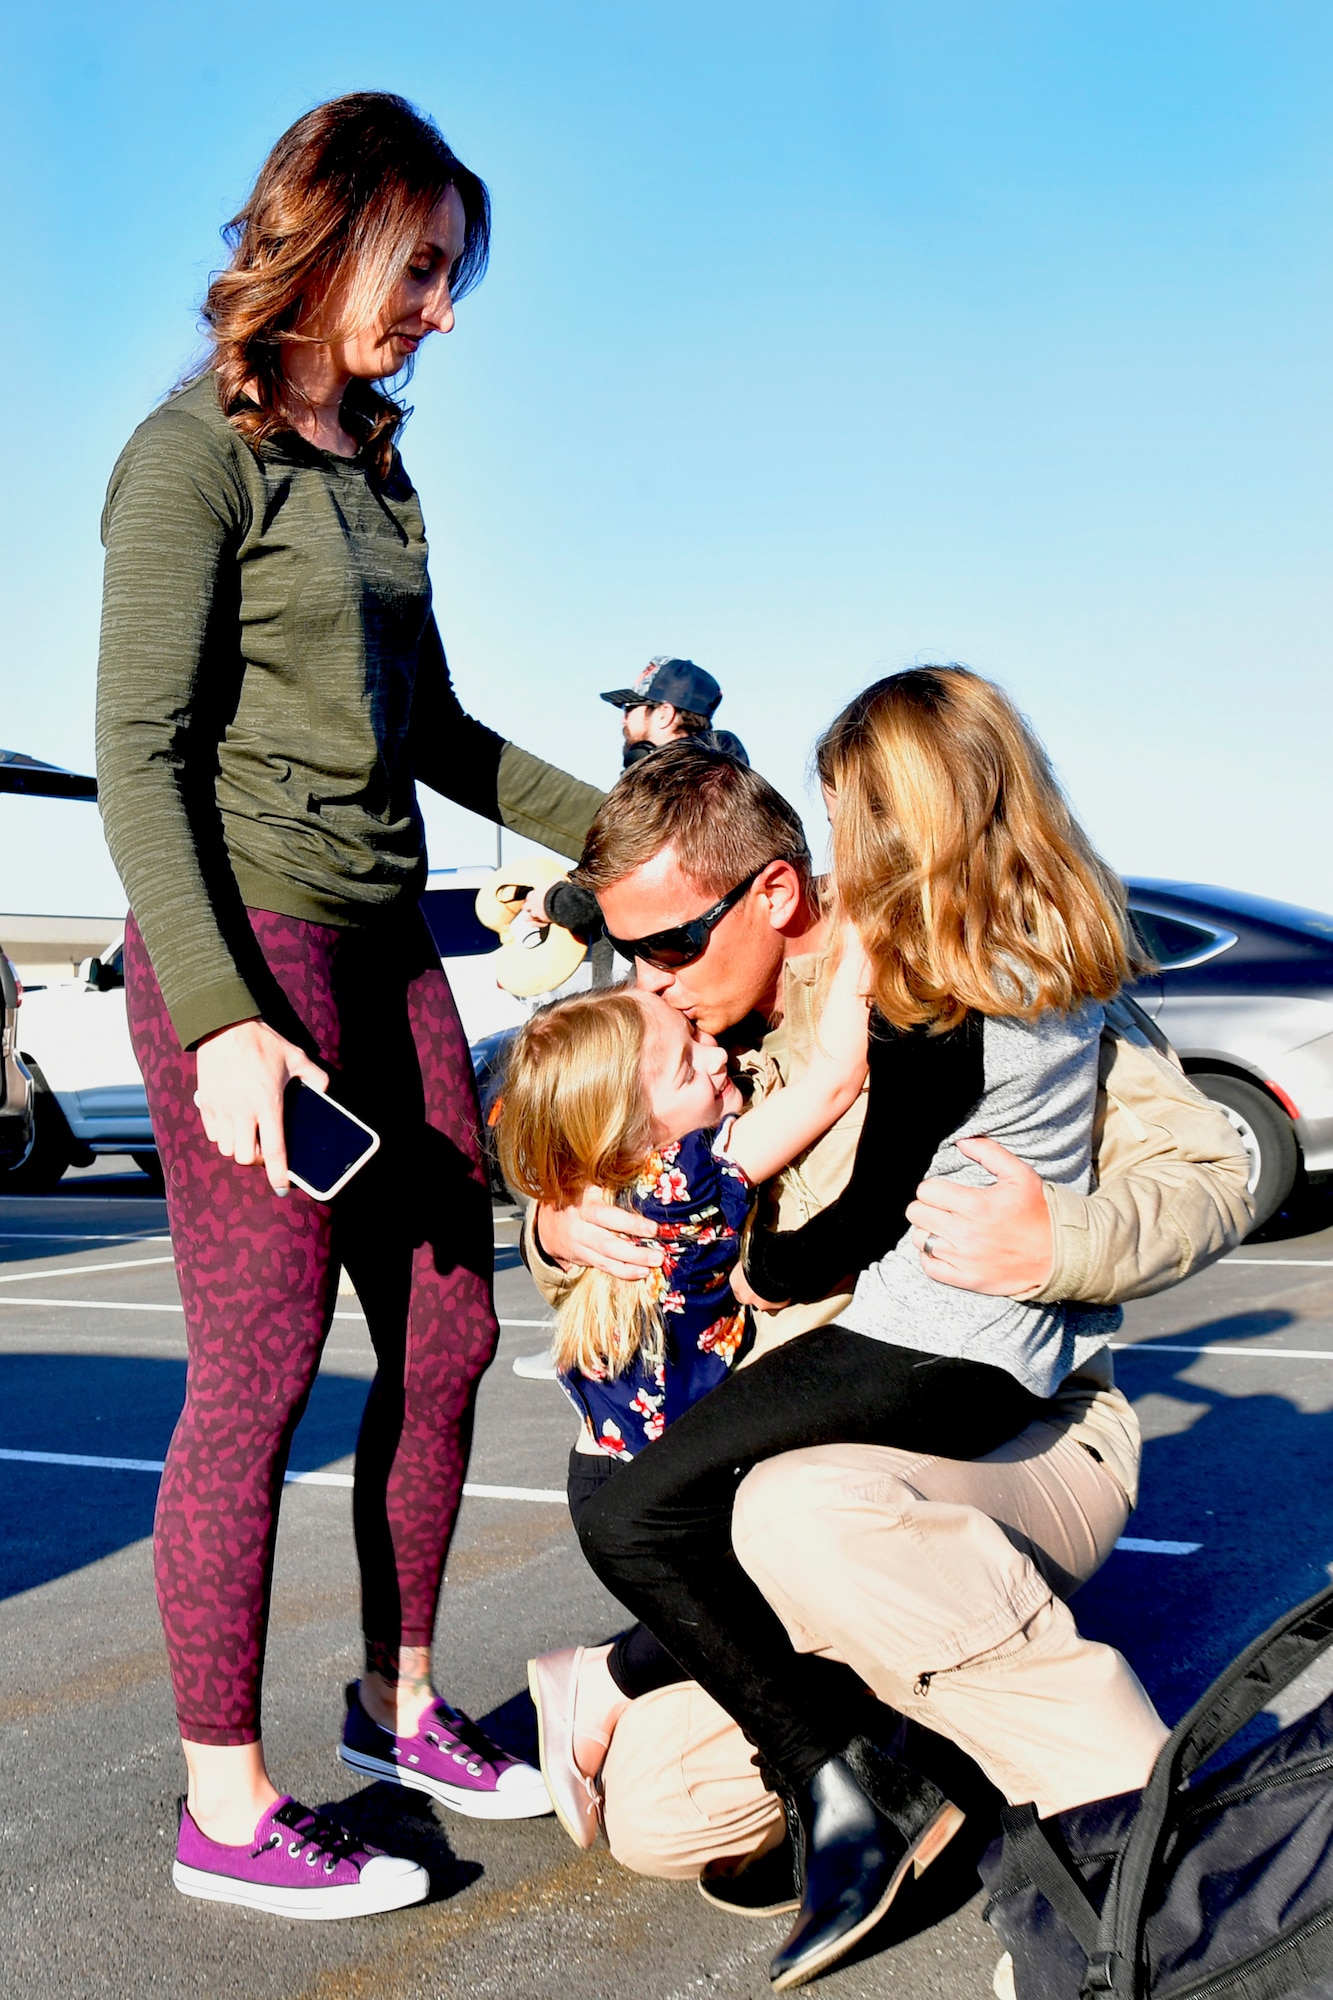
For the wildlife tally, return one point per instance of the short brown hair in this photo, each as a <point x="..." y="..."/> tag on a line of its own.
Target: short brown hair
<point x="340" y="202"/>
<point x="722" y="819"/>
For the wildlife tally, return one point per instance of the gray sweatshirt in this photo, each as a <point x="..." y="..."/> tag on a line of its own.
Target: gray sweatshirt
<point x="1038" y="1099"/>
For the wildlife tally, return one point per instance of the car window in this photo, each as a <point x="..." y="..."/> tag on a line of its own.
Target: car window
<point x="1287" y="916"/>
<point x="454" y="924"/>
<point x="1171" y="941"/>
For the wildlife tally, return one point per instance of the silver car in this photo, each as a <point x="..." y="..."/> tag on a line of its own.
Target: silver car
<point x="1244" y="992"/>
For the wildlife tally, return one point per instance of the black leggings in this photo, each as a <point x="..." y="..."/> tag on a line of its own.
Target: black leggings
<point x="659" y="1534"/>
<point x="638" y="1661"/>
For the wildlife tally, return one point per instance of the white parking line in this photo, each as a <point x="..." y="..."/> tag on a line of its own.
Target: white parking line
<point x="85" y="1270"/>
<point x="549" y="1496"/>
<point x="83" y="1199"/>
<point x="78" y="1236"/>
<point x="1148" y="1346"/>
<point x="140" y="1306"/>
<point x="109" y="1305"/>
<point x="76" y="1458"/>
<point x="1285" y="1263"/>
<point x="1245" y="1353"/>
<point x="544" y="1495"/>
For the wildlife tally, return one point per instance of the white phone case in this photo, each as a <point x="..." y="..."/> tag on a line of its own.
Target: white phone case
<point x="327" y="1194"/>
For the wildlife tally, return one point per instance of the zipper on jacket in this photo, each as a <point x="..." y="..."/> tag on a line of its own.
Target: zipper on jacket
<point x="922" y="1684"/>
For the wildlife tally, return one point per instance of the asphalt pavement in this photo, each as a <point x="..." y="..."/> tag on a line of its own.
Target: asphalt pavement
<point x="1232" y="1375"/>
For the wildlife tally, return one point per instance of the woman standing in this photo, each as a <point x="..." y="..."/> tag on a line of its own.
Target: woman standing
<point x="271" y="687"/>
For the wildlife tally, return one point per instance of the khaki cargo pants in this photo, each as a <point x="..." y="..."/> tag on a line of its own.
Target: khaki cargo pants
<point x="941" y="1583"/>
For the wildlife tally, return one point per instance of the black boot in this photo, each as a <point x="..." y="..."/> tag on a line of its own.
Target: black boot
<point x="864" y="1821"/>
<point x="763" y="1885"/>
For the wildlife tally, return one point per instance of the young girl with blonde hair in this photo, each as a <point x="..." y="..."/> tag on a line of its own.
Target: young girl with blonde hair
<point x="615" y="1090"/>
<point x="994" y="934"/>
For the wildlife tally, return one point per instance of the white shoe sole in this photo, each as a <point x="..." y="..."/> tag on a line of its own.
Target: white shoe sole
<point x="307" y="1905"/>
<point x="534" y="1804"/>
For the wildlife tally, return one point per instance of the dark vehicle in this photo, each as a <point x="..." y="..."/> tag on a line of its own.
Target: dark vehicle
<point x="16" y="1093"/>
<point x="21" y="773"/>
<point x="488" y="1058"/>
<point x="1244" y="993"/>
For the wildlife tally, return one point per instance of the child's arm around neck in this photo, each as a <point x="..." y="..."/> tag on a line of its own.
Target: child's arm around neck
<point x="769" y="1137"/>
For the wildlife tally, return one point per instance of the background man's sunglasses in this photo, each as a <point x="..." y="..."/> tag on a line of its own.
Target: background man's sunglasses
<point x="683" y="943"/>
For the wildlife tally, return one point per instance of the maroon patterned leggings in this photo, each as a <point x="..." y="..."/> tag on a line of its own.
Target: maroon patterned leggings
<point x="258" y="1283"/>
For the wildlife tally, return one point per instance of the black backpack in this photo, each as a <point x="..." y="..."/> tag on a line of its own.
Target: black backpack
<point x="1217" y="1890"/>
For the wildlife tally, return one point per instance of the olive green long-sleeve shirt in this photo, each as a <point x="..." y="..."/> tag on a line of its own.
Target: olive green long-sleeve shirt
<point x="271" y="686"/>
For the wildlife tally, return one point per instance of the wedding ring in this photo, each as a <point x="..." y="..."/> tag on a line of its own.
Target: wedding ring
<point x="928" y="1248"/>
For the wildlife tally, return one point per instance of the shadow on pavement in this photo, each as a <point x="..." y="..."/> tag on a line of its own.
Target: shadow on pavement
<point x="1250" y="1477"/>
<point x="404" y="1823"/>
<point x="947" y="1886"/>
<point x="58" y="1518"/>
<point x="96" y="1184"/>
<point x="513" y="1725"/>
<point x="1307" y="1210"/>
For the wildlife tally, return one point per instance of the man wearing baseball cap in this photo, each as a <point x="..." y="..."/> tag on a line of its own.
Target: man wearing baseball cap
<point x="669" y="700"/>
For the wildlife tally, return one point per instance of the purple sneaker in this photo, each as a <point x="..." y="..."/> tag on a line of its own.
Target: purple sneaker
<point x="449" y="1757"/>
<point x="301" y="1864"/>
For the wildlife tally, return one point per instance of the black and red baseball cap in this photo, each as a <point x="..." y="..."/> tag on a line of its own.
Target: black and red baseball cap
<point x="678" y="681"/>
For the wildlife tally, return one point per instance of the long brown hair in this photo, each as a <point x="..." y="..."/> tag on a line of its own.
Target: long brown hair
<point x="575" y="1115"/>
<point x="958" y="859"/>
<point x="334" y="217"/>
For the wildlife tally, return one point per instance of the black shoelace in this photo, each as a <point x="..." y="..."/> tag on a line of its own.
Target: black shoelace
<point x="312" y="1830"/>
<point x="469" y="1733"/>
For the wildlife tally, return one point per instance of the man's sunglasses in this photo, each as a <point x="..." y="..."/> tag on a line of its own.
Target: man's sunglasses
<point x="683" y="943"/>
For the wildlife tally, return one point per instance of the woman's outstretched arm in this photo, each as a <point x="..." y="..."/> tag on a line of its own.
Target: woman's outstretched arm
<point x="460" y="757"/>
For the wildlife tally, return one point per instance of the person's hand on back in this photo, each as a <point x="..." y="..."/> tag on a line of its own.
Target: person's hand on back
<point x="599" y="1236"/>
<point x="243" y="1071"/>
<point x="998" y="1239"/>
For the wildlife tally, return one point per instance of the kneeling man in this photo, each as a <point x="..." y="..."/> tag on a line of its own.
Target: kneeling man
<point x="940" y="1583"/>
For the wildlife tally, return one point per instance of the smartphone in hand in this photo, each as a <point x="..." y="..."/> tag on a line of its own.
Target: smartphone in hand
<point x="326" y="1144"/>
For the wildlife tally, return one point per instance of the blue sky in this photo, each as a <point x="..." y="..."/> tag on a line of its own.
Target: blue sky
<point x="817" y="341"/>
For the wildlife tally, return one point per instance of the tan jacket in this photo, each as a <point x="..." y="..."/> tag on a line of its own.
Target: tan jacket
<point x="1170" y="1198"/>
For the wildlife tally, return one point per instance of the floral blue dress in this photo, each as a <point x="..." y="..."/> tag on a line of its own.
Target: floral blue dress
<point x="699" y="1200"/>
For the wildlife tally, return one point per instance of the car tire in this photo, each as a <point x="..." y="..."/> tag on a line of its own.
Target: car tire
<point x="151" y="1164"/>
<point x="53" y="1149"/>
<point x="1266" y="1133"/>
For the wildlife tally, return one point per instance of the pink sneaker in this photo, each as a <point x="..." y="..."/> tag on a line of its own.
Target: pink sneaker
<point x="449" y="1758"/>
<point x="300" y="1864"/>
